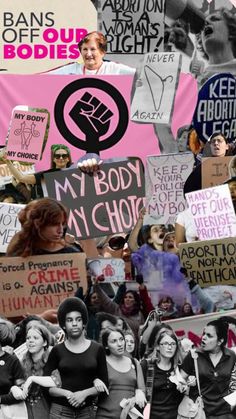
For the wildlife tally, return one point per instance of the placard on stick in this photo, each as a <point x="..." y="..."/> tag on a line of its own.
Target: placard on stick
<point x="38" y="283"/>
<point x="210" y="262"/>
<point x="106" y="203"/>
<point x="27" y="134"/>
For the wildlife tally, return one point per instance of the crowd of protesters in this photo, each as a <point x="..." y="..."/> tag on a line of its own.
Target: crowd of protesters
<point x="109" y="352"/>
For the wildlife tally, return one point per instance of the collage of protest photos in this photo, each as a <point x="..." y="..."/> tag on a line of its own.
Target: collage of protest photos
<point x="121" y="114"/>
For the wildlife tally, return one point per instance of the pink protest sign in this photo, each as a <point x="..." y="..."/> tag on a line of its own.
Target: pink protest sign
<point x="213" y="212"/>
<point x="26" y="136"/>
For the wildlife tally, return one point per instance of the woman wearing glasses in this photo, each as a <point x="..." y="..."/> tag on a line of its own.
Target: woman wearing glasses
<point x="60" y="156"/>
<point x="159" y="367"/>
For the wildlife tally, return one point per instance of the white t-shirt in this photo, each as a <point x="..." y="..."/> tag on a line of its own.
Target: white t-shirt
<point x="107" y="67"/>
<point x="185" y="219"/>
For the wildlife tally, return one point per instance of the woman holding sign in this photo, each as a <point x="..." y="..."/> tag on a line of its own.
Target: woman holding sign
<point x="60" y="159"/>
<point x="42" y="231"/>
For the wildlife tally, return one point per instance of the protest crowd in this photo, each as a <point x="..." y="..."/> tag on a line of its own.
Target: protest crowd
<point x="117" y="274"/>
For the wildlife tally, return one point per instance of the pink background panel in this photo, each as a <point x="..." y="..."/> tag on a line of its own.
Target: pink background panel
<point x="41" y="91"/>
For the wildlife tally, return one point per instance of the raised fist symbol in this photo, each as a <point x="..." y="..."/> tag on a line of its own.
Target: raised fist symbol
<point x="93" y="118"/>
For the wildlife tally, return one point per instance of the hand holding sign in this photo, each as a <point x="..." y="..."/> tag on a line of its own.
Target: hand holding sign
<point x="92" y="117"/>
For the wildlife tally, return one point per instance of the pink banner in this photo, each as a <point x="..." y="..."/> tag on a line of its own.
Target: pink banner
<point x="91" y="113"/>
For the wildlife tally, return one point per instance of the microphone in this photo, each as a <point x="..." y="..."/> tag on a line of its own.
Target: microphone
<point x="186" y="11"/>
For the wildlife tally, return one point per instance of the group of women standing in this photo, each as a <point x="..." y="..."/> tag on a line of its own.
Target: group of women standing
<point x="87" y="379"/>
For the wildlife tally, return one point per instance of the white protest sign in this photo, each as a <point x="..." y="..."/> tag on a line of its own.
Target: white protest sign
<point x="9" y="223"/>
<point x="154" y="95"/>
<point x="165" y="178"/>
<point x="132" y="28"/>
<point x="113" y="269"/>
<point x="213" y="212"/>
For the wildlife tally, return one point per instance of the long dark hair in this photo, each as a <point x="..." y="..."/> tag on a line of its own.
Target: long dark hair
<point x="44" y="212"/>
<point x="221" y="326"/>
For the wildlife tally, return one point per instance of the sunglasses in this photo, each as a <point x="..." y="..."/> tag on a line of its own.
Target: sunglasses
<point x="61" y="156"/>
<point x="118" y="242"/>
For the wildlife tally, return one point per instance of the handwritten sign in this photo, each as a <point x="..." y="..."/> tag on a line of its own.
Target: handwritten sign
<point x="192" y="327"/>
<point x="113" y="269"/>
<point x="26" y="136"/>
<point x="6" y="175"/>
<point x="132" y="28"/>
<point x="215" y="171"/>
<point x="165" y="178"/>
<point x="38" y="283"/>
<point x="213" y="212"/>
<point x="103" y="204"/>
<point x="155" y="90"/>
<point x="216" y="107"/>
<point x="210" y="262"/>
<point x="9" y="223"/>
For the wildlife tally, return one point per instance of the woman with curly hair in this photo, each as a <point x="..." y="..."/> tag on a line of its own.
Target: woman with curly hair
<point x="42" y="231"/>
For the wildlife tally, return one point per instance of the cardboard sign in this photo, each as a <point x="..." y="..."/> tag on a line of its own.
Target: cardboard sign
<point x="9" y="223"/>
<point x="216" y="107"/>
<point x="154" y="95"/>
<point x="192" y="327"/>
<point x="37" y="283"/>
<point x="215" y="171"/>
<point x="6" y="175"/>
<point x="213" y="212"/>
<point x="210" y="262"/>
<point x="102" y="204"/>
<point x="165" y="178"/>
<point x="112" y="269"/>
<point x="26" y="136"/>
<point x="37" y="36"/>
<point x="132" y="28"/>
